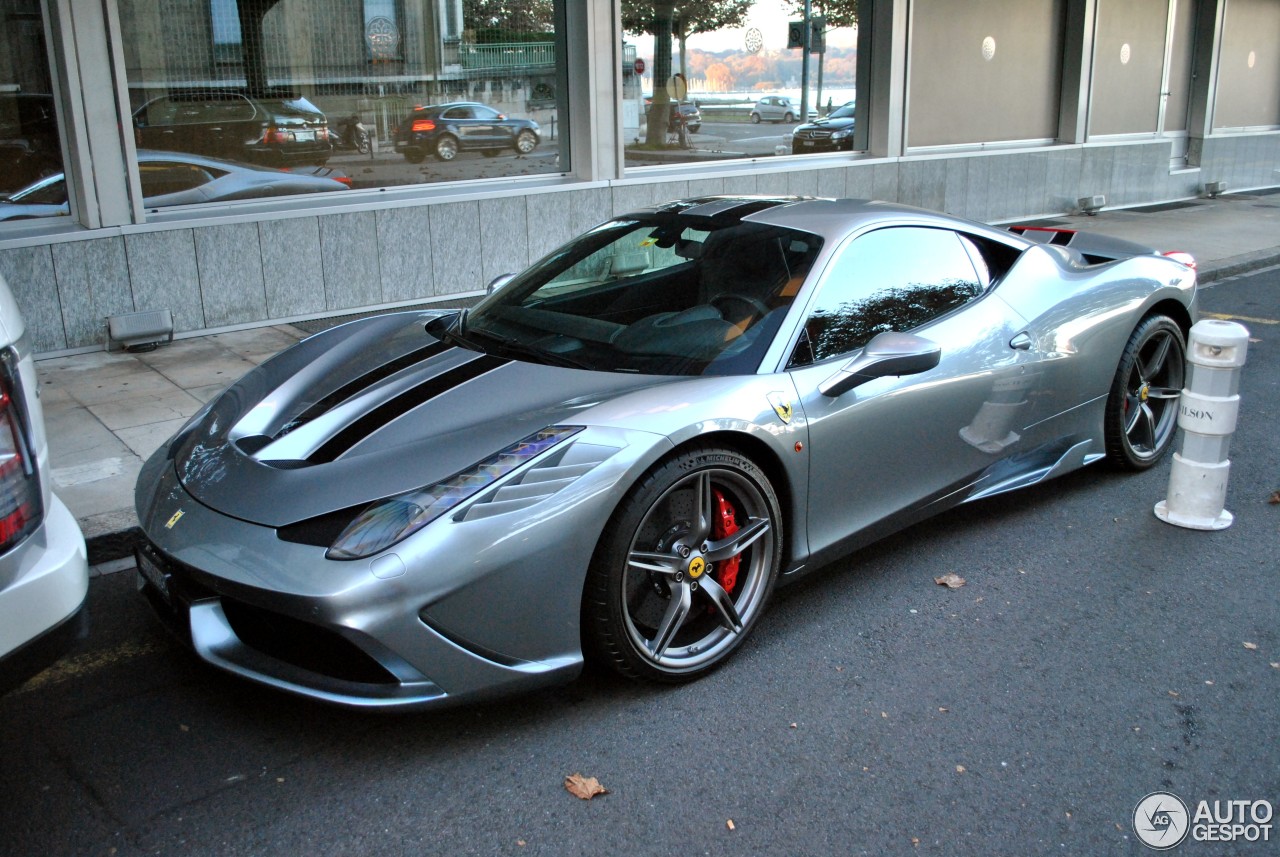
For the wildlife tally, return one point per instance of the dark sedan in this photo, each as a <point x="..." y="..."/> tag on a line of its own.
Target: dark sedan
<point x="831" y="133"/>
<point x="444" y="130"/>
<point x="276" y="128"/>
<point x="174" y="178"/>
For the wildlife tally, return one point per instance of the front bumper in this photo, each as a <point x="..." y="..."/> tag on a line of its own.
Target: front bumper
<point x="459" y="611"/>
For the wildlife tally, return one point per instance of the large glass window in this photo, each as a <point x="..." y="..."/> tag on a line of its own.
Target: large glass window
<point x="30" y="144"/>
<point x="723" y="80"/>
<point x="357" y="93"/>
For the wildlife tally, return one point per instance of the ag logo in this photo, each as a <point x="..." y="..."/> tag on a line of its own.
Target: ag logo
<point x="177" y="516"/>
<point x="781" y="406"/>
<point x="1161" y="820"/>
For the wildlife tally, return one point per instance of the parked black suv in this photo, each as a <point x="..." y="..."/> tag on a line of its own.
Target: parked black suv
<point x="444" y="130"/>
<point x="276" y="128"/>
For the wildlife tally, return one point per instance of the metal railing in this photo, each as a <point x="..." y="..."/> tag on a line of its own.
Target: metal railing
<point x="507" y="55"/>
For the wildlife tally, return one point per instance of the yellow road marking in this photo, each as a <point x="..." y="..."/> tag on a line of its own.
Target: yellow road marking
<point x="80" y="666"/>
<point x="1249" y="318"/>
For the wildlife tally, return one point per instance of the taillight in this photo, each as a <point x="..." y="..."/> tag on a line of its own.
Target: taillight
<point x="423" y="125"/>
<point x="1183" y="257"/>
<point x="20" y="506"/>
<point x="277" y="135"/>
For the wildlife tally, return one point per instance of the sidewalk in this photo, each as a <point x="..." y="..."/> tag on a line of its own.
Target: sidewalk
<point x="106" y="412"/>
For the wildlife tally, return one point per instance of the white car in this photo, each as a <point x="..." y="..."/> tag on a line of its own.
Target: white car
<point x="778" y="108"/>
<point x="44" y="571"/>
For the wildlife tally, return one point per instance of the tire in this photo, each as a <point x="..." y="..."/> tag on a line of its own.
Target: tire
<point x="446" y="147"/>
<point x="788" y="119"/>
<point x="526" y="142"/>
<point x="1142" y="407"/>
<point x="362" y="142"/>
<point x="655" y="605"/>
<point x="755" y="118"/>
<point x="694" y="129"/>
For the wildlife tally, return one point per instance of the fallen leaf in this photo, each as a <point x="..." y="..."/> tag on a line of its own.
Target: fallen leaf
<point x="944" y="710"/>
<point x="729" y="824"/>
<point x="1275" y="665"/>
<point x="1274" y="498"/>
<point x="184" y="727"/>
<point x="951" y="580"/>
<point x="521" y="843"/>
<point x="1251" y="646"/>
<point x="583" y="787"/>
<point x="1174" y="694"/>
<point x="959" y="769"/>
<point x="915" y="842"/>
<point x="793" y="726"/>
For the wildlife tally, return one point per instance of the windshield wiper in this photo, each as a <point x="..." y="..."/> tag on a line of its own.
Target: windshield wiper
<point x="525" y="349"/>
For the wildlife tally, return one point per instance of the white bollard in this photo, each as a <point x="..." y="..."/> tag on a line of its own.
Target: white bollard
<point x="1207" y="414"/>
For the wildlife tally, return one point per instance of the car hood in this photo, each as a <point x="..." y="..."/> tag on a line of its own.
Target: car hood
<point x="367" y="410"/>
<point x="837" y="124"/>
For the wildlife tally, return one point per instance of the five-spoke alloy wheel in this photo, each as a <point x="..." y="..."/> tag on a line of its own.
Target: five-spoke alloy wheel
<point x="685" y="567"/>
<point x="1142" y="408"/>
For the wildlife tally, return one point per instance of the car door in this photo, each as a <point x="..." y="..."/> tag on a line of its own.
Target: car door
<point x="462" y="120"/>
<point x="893" y="447"/>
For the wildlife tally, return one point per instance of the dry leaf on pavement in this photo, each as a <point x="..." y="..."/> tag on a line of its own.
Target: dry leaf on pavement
<point x="1274" y="498"/>
<point x="583" y="787"/>
<point x="951" y="580"/>
<point x="1251" y="646"/>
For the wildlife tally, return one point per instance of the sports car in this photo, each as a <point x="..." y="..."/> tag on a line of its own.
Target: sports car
<point x="619" y="452"/>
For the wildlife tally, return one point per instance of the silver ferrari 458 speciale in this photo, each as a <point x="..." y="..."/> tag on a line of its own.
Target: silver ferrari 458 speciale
<point x="619" y="452"/>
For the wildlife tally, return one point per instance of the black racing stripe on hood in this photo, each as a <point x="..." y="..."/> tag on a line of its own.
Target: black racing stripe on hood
<point x="402" y="404"/>
<point x="363" y="382"/>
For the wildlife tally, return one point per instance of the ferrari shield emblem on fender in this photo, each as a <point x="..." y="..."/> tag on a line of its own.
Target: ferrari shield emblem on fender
<point x="177" y="516"/>
<point x="781" y="407"/>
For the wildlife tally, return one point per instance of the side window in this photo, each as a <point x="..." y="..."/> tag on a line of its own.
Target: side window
<point x="891" y="279"/>
<point x="161" y="177"/>
<point x="460" y="113"/>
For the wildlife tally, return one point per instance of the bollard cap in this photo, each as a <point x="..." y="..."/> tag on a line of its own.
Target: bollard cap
<point x="1218" y="343"/>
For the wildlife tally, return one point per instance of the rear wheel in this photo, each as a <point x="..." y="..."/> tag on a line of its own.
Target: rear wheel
<point x="1142" y="407"/>
<point x="526" y="141"/>
<point x="685" y="567"/>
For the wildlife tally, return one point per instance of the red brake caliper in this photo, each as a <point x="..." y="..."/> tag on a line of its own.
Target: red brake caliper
<point x="723" y="525"/>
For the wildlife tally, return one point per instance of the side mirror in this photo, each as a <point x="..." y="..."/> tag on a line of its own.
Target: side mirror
<point x="498" y="282"/>
<point x="887" y="353"/>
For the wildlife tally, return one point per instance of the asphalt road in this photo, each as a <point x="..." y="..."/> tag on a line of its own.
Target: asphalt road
<point x="1094" y="655"/>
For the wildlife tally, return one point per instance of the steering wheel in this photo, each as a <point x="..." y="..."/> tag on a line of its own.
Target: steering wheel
<point x="758" y="307"/>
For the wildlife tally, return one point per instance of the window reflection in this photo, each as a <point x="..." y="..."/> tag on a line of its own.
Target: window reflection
<point x="30" y="147"/>
<point x="892" y="279"/>
<point x="715" y="81"/>
<point x="373" y="93"/>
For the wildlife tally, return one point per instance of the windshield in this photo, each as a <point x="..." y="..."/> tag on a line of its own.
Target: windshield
<point x="845" y="111"/>
<point x="663" y="294"/>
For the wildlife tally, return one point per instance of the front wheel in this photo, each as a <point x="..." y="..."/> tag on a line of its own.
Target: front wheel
<point x="788" y="119"/>
<point x="363" y="146"/>
<point x="685" y="567"/>
<point x="755" y="118"/>
<point x="1142" y="407"/>
<point x="447" y="147"/>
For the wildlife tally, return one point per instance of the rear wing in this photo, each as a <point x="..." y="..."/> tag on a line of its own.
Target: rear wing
<point x="1096" y="248"/>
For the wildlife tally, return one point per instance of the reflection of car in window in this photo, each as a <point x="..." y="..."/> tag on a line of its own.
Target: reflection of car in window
<point x="444" y="130"/>
<point x="29" y="146"/>
<point x="174" y="178"/>
<point x="274" y="128"/>
<point x="829" y="134"/>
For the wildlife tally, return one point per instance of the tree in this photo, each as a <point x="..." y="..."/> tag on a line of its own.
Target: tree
<point x="530" y="16"/>
<point x="689" y="17"/>
<point x="839" y="13"/>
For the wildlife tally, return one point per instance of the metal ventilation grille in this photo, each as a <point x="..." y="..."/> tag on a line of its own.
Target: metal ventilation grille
<point x="539" y="483"/>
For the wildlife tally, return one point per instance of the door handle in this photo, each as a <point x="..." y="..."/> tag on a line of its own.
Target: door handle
<point x="1021" y="342"/>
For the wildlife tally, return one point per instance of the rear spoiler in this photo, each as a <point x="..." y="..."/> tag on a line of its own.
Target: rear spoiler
<point x="1094" y="247"/>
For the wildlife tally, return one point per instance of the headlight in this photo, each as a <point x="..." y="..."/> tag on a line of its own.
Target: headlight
<point x="840" y="135"/>
<point x="393" y="519"/>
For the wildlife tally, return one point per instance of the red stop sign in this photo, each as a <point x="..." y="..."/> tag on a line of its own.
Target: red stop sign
<point x="639" y="65"/>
